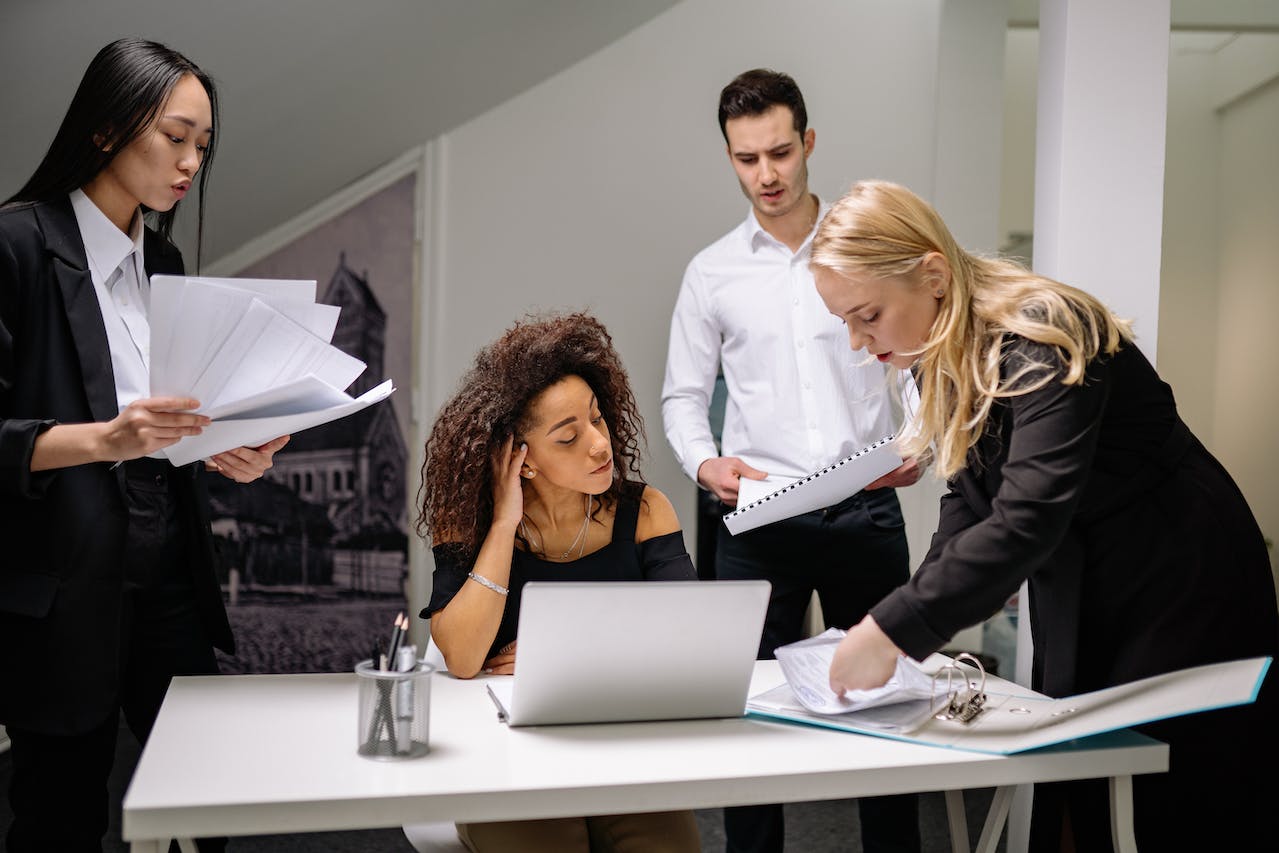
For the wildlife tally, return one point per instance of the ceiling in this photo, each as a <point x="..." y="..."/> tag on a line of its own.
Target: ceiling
<point x="314" y="93"/>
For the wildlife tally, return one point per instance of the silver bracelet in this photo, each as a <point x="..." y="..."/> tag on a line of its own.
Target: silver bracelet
<point x="483" y="581"/>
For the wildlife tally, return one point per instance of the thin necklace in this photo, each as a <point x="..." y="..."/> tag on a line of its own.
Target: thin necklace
<point x="580" y="539"/>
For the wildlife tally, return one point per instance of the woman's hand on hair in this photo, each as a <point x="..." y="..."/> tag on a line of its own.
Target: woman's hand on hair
<point x="906" y="474"/>
<point x="508" y="495"/>
<point x="865" y="658"/>
<point x="502" y="663"/>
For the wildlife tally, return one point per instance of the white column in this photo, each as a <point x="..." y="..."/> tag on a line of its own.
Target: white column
<point x="1099" y="173"/>
<point x="1099" y="170"/>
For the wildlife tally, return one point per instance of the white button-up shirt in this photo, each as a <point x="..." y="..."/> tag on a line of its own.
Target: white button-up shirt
<point x="120" y="282"/>
<point x="798" y="397"/>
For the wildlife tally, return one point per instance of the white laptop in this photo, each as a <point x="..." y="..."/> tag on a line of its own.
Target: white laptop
<point x="618" y="651"/>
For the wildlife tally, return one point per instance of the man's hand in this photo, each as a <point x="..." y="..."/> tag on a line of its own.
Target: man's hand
<point x="246" y="464"/>
<point x="865" y="658"/>
<point x="906" y="474"/>
<point x="720" y="474"/>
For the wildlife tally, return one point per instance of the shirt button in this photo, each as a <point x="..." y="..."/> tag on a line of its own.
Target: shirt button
<point x="808" y="386"/>
<point x="800" y="344"/>
<point x="795" y="301"/>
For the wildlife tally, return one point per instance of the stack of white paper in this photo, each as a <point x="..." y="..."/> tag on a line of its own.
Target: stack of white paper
<point x="806" y="665"/>
<point x="257" y="355"/>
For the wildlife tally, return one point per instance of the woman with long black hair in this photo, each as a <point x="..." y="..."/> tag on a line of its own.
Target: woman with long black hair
<point x="107" y="586"/>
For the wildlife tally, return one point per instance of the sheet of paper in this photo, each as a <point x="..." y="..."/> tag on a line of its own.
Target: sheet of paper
<point x="231" y="359"/>
<point x="171" y="320"/>
<point x="749" y="491"/>
<point x="310" y="393"/>
<point x="267" y="349"/>
<point x="898" y="718"/>
<point x="252" y="432"/>
<point x="196" y="344"/>
<point x="806" y="665"/>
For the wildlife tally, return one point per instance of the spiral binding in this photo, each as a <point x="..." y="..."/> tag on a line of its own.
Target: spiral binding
<point x="813" y="476"/>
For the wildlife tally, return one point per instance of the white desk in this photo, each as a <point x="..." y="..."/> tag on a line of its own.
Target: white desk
<point x="264" y="754"/>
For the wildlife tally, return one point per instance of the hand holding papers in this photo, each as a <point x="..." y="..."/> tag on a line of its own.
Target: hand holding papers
<point x="806" y="665"/>
<point x="256" y="353"/>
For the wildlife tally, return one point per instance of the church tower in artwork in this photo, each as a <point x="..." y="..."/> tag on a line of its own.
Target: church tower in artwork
<point x="361" y="329"/>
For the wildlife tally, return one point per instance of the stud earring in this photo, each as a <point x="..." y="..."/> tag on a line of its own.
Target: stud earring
<point x="940" y="293"/>
<point x="530" y="473"/>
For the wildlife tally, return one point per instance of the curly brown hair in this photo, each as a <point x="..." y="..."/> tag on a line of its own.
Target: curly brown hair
<point x="492" y="404"/>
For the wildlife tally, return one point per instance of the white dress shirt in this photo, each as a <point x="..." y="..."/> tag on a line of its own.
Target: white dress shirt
<point x="120" y="282"/>
<point x="798" y="397"/>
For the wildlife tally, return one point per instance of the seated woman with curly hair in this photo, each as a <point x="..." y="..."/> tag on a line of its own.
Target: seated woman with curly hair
<point x="532" y="473"/>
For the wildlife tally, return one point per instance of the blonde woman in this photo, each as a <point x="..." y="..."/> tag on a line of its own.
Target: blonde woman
<point x="1068" y="467"/>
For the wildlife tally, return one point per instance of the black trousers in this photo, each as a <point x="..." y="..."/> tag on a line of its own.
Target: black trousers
<point x="852" y="555"/>
<point x="58" y="790"/>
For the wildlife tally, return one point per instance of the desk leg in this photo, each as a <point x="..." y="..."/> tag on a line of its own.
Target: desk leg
<point x="187" y="845"/>
<point x="958" y="820"/>
<point x="152" y="846"/>
<point x="995" y="819"/>
<point x="1121" y="827"/>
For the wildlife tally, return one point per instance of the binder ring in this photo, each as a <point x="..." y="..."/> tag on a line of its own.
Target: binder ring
<point x="958" y="704"/>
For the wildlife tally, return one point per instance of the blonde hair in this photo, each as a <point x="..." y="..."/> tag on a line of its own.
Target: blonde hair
<point x="883" y="229"/>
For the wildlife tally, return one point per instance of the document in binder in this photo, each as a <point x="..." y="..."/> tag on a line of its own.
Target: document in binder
<point x="1019" y="720"/>
<point x="257" y="355"/>
<point x="830" y="485"/>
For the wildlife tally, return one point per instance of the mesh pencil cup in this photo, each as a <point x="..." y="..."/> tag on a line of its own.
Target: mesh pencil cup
<point x="395" y="711"/>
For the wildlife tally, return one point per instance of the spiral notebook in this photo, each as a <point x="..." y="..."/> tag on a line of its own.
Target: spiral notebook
<point x="823" y="488"/>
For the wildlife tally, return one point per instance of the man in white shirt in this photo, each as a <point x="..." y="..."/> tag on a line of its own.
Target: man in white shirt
<point x="798" y="399"/>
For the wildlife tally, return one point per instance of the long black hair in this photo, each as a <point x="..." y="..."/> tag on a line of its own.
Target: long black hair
<point x="122" y="92"/>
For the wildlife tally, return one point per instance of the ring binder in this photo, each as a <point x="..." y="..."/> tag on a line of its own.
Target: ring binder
<point x="1011" y="719"/>
<point x="960" y="705"/>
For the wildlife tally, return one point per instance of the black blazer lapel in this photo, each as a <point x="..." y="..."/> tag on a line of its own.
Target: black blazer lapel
<point x="84" y="316"/>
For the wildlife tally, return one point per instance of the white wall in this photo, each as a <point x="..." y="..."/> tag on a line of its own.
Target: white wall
<point x="594" y="189"/>
<point x="1246" y="424"/>
<point x="1219" y="289"/>
<point x="1188" y="290"/>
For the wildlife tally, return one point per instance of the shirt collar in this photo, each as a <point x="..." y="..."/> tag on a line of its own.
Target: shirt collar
<point x="757" y="237"/>
<point x="104" y="245"/>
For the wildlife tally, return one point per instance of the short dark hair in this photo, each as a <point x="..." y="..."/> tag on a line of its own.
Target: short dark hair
<point x="755" y="92"/>
<point x="122" y="91"/>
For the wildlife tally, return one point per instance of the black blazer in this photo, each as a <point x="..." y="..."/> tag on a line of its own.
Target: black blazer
<point x="63" y="531"/>
<point x="1141" y="552"/>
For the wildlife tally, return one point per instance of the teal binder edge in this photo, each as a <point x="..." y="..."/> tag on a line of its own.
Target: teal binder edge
<point x="831" y="723"/>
